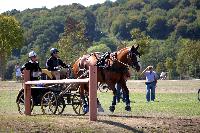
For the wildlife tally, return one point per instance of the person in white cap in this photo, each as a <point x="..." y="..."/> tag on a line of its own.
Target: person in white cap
<point x="33" y="66"/>
<point x="151" y="81"/>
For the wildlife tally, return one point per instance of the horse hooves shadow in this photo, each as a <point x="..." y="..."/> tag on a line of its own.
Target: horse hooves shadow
<point x="128" y="108"/>
<point x="112" y="109"/>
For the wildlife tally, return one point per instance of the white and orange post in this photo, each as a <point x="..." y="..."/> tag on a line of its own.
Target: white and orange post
<point x="93" y="93"/>
<point x="27" y="93"/>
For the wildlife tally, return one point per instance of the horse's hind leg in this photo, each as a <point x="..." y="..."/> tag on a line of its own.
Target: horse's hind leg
<point x="112" y="107"/>
<point x="99" y="107"/>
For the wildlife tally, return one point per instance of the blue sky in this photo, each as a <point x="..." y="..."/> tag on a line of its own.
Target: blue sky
<point x="21" y="5"/>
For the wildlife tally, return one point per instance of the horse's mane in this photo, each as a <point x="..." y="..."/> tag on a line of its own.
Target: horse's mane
<point x="123" y="49"/>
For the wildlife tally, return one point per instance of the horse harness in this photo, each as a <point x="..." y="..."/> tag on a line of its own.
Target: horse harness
<point x="103" y="62"/>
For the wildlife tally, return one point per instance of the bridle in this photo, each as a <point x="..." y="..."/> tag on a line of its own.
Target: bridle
<point x="129" y="55"/>
<point x="115" y="59"/>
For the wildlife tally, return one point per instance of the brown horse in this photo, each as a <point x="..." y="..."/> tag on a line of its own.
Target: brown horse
<point x="115" y="72"/>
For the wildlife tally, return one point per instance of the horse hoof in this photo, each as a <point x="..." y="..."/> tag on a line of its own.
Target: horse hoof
<point x="112" y="109"/>
<point x="128" y="108"/>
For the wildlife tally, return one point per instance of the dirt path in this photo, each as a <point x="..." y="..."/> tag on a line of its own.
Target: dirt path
<point x="166" y="86"/>
<point x="105" y="124"/>
<point x="155" y="124"/>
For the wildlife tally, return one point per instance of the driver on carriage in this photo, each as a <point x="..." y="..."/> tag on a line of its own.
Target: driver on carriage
<point x="33" y="66"/>
<point x="53" y="63"/>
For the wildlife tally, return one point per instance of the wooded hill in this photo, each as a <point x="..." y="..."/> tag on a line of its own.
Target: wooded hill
<point x="169" y="30"/>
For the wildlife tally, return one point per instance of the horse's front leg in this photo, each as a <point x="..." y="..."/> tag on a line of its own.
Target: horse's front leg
<point x="112" y="107"/>
<point x="82" y="95"/>
<point x="128" y="107"/>
<point x="126" y="96"/>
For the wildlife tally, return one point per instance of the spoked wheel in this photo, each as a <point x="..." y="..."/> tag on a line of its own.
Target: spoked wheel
<point x="199" y="95"/>
<point x="21" y="103"/>
<point x="78" y="104"/>
<point x="49" y="103"/>
<point x="61" y="106"/>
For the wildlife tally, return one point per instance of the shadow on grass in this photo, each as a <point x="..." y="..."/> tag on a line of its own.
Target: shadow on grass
<point x="66" y="115"/>
<point x="118" y="124"/>
<point x="130" y="116"/>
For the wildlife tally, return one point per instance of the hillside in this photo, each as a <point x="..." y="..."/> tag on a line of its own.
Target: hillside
<point x="168" y="23"/>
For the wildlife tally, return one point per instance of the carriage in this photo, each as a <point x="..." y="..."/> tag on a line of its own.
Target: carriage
<point x="112" y="70"/>
<point x="53" y="98"/>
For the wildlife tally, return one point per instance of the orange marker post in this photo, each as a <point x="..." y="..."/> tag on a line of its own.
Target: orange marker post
<point x="27" y="93"/>
<point x="93" y="93"/>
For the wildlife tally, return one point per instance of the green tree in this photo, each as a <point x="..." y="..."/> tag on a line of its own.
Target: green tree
<point x="74" y="43"/>
<point x="169" y="64"/>
<point x="142" y="40"/>
<point x="160" y="67"/>
<point x="188" y="61"/>
<point x="11" y="37"/>
<point x="157" y="27"/>
<point x="99" y="48"/>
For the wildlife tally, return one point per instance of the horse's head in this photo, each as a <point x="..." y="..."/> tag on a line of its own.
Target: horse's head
<point x="133" y="55"/>
<point x="128" y="56"/>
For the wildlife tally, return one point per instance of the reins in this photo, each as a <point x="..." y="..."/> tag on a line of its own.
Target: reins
<point x="115" y="59"/>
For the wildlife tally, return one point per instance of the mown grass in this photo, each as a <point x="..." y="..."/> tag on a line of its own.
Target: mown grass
<point x="167" y="105"/>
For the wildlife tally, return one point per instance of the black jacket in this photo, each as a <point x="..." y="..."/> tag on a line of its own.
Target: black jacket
<point x="34" y="69"/>
<point x="54" y="62"/>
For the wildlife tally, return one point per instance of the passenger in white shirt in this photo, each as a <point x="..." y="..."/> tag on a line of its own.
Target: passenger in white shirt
<point x="151" y="80"/>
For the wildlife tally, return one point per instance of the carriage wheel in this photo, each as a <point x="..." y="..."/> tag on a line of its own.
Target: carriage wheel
<point x="61" y="106"/>
<point x="21" y="103"/>
<point x="77" y="104"/>
<point x="49" y="103"/>
<point x="199" y="95"/>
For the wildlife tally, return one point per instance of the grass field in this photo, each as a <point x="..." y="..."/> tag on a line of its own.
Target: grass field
<point x="176" y="109"/>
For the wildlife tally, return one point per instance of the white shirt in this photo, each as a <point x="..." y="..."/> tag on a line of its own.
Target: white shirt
<point x="150" y="76"/>
<point x="162" y="74"/>
<point x="17" y="71"/>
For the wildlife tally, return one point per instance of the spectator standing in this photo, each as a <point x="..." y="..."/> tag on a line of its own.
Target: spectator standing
<point x="18" y="72"/>
<point x="151" y="81"/>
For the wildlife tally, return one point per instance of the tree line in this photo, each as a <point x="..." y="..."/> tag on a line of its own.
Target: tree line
<point x="167" y="31"/>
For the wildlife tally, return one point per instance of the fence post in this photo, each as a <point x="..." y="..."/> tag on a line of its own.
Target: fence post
<point x="27" y="93"/>
<point x="93" y="93"/>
